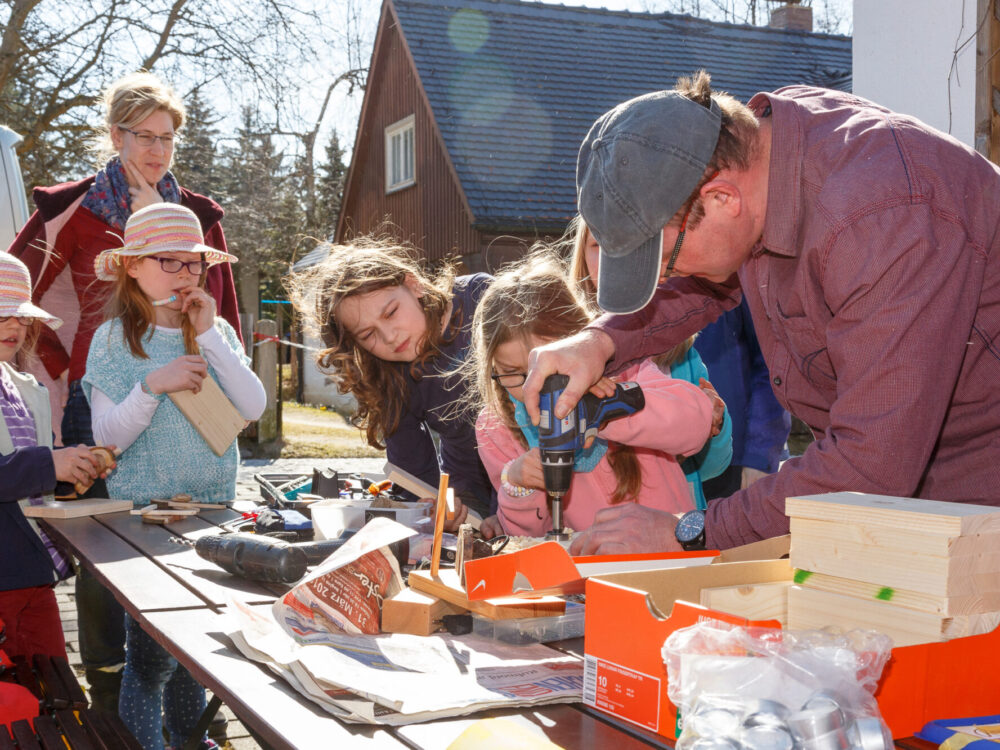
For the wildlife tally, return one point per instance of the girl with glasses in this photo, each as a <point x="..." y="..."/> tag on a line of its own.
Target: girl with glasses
<point x="394" y="334"/>
<point x="634" y="459"/>
<point x="162" y="336"/>
<point x="74" y="222"/>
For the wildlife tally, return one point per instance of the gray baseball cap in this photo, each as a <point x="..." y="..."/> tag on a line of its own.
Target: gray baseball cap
<point x="636" y="167"/>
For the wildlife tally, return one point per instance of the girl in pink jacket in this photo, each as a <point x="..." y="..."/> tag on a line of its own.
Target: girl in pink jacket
<point x="635" y="459"/>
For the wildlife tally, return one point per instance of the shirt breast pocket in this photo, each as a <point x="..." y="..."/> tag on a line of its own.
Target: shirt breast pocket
<point x="808" y="349"/>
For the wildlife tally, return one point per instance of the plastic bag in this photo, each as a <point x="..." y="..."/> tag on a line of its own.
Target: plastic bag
<point x="740" y="688"/>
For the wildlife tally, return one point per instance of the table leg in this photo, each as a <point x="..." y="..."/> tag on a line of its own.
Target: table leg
<point x="194" y="741"/>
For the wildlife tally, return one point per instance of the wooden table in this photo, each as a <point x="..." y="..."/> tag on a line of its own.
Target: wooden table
<point x="180" y="600"/>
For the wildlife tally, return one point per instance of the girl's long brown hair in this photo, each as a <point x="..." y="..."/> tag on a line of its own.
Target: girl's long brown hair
<point x="365" y="265"/>
<point x="533" y="298"/>
<point x="129" y="304"/>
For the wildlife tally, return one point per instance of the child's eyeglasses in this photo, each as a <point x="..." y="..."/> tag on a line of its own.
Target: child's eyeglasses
<point x="148" y="139"/>
<point x="510" y="379"/>
<point x="172" y="265"/>
<point x="25" y="321"/>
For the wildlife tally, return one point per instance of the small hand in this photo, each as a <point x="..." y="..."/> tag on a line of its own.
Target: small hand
<point x="627" y="529"/>
<point x="182" y="374"/>
<point x="750" y="475"/>
<point x="718" y="406"/>
<point x="461" y="513"/>
<point x="490" y="527"/>
<point x="142" y="192"/>
<point x="526" y="470"/>
<point x="76" y="464"/>
<point x="199" y="307"/>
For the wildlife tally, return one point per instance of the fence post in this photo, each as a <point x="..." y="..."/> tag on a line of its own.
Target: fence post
<point x="266" y="367"/>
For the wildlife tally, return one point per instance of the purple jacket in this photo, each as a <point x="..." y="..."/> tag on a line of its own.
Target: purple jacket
<point x="875" y="294"/>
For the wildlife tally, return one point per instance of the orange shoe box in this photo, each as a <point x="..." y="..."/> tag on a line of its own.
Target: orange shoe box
<point x="630" y="615"/>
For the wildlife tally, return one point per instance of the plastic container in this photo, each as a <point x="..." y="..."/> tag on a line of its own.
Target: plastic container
<point x="276" y="489"/>
<point x="407" y="516"/>
<point x="526" y="630"/>
<point x="331" y="518"/>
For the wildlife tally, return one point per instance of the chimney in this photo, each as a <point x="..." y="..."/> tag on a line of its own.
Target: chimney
<point x="792" y="17"/>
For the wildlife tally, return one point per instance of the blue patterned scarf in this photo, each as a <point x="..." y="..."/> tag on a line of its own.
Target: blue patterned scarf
<point x="583" y="461"/>
<point x="109" y="199"/>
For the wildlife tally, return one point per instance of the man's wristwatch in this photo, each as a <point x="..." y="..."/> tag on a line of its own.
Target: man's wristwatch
<point x="690" y="530"/>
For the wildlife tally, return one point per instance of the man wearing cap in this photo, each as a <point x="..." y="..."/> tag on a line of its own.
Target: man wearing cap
<point x="867" y="245"/>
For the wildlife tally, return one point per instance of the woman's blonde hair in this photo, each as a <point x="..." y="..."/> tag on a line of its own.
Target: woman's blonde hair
<point x="130" y="100"/>
<point x="25" y="356"/>
<point x="533" y="298"/>
<point x="365" y="265"/>
<point x="129" y="304"/>
<point x="576" y="237"/>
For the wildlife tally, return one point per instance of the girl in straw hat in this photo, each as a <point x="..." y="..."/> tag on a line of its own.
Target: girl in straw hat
<point x="30" y="468"/>
<point x="162" y="336"/>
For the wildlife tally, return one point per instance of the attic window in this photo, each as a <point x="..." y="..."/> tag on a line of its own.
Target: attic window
<point x="399" y="160"/>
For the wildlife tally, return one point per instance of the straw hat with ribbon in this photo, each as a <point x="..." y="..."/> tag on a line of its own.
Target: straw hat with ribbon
<point x="15" y="292"/>
<point x="159" y="228"/>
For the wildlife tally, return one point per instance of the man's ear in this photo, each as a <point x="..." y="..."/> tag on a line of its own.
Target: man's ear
<point x="720" y="195"/>
<point x="414" y="285"/>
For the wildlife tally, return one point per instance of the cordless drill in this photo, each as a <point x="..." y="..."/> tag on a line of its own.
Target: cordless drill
<point x="559" y="439"/>
<point x="261" y="558"/>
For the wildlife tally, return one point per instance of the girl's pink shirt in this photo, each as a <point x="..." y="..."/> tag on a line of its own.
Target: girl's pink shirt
<point x="676" y="420"/>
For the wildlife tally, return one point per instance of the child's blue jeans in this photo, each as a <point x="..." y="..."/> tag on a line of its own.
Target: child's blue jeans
<point x="157" y="692"/>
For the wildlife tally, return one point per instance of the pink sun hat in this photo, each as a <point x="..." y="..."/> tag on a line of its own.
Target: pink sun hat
<point x="159" y="228"/>
<point x="15" y="292"/>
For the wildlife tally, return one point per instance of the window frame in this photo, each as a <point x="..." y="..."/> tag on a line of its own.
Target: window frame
<point x="402" y="130"/>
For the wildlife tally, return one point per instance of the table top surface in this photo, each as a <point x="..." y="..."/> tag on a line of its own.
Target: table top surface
<point x="181" y="600"/>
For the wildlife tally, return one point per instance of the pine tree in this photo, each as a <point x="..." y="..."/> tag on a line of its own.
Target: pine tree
<point x="330" y="189"/>
<point x="195" y="163"/>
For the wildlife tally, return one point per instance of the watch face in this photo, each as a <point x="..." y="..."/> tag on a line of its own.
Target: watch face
<point x="690" y="527"/>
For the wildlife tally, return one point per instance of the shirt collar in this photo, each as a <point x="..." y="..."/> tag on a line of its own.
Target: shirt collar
<point x="784" y="194"/>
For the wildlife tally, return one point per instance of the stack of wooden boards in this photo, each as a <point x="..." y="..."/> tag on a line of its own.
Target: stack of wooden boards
<point x="920" y="571"/>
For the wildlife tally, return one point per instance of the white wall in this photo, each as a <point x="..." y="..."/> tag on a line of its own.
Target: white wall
<point x="903" y="54"/>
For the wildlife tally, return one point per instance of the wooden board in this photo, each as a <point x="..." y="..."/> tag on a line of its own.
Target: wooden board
<point x="908" y="514"/>
<point x="758" y="601"/>
<point x="871" y="536"/>
<point x="415" y="613"/>
<point x="422" y="490"/>
<point x="212" y="414"/>
<point x="811" y="608"/>
<point x="941" y="605"/>
<point x="910" y="569"/>
<point x="76" y="508"/>
<point x="447" y="587"/>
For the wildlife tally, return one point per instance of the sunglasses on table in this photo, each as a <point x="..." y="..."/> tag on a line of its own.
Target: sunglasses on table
<point x="172" y="265"/>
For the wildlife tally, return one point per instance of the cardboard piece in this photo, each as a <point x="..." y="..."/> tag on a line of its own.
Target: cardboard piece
<point x="76" y="508"/>
<point x="547" y="568"/>
<point x="446" y="586"/>
<point x="415" y="613"/>
<point x="211" y="413"/>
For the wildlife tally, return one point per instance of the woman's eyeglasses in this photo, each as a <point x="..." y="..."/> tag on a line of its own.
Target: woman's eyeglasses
<point x="148" y="139"/>
<point x="25" y="321"/>
<point x="510" y="379"/>
<point x="172" y="265"/>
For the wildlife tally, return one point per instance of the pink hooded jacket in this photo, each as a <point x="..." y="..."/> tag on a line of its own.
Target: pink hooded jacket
<point x="676" y="420"/>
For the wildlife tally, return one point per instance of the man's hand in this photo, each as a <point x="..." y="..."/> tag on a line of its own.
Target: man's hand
<point x="581" y="356"/>
<point x="76" y="464"/>
<point x="143" y="194"/>
<point x="628" y="529"/>
<point x="491" y="527"/>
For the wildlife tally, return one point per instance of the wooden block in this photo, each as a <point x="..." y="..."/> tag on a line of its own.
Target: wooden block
<point x="212" y="414"/>
<point x="162" y="517"/>
<point x="906" y="514"/>
<point x="415" y="613"/>
<point x="447" y="587"/>
<point x="811" y="609"/>
<point x="76" y="508"/>
<point x="759" y="601"/>
<point x="942" y="605"/>
<point x="871" y="536"/>
<point x="910" y="569"/>
<point x="408" y="482"/>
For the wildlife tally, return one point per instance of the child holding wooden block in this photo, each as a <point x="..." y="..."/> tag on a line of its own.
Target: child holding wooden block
<point x="30" y="468"/>
<point x="394" y="336"/>
<point x="634" y="459"/>
<point x="161" y="337"/>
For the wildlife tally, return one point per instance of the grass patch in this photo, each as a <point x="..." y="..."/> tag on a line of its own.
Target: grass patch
<point x="313" y="432"/>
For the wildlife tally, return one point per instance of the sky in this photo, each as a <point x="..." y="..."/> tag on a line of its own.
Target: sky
<point x="345" y="111"/>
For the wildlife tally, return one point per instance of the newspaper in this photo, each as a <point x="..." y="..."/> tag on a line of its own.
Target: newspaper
<point x="400" y="679"/>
